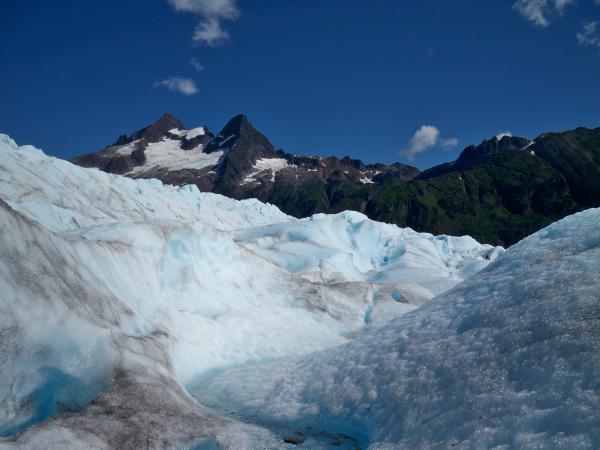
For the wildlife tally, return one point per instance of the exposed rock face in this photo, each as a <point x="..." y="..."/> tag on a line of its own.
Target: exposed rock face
<point x="159" y="129"/>
<point x="196" y="141"/>
<point x="154" y="132"/>
<point x="244" y="146"/>
<point x="111" y="162"/>
<point x="478" y="154"/>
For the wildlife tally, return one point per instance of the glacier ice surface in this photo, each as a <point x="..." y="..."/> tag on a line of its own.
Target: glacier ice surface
<point x="507" y="359"/>
<point x="120" y="297"/>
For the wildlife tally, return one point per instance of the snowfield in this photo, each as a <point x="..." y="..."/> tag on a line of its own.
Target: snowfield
<point x="167" y="153"/>
<point x="139" y="315"/>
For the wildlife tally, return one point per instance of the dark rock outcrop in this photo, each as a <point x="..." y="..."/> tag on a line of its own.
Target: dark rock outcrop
<point x="478" y="154"/>
<point x="243" y="145"/>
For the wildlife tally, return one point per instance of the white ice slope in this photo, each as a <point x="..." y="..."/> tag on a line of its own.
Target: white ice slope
<point x="508" y="359"/>
<point x="120" y="296"/>
<point x="117" y="294"/>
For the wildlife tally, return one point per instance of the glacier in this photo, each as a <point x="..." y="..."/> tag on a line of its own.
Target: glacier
<point x="507" y="359"/>
<point x="141" y="315"/>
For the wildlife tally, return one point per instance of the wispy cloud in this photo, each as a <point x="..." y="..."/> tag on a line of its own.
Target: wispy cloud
<point x="196" y="64"/>
<point x="590" y="34"/>
<point x="185" y="86"/>
<point x="425" y="138"/>
<point x="541" y="12"/>
<point x="209" y="30"/>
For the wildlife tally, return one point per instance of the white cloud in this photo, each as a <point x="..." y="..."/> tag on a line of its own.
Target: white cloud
<point x="196" y="64"/>
<point x="589" y="34"/>
<point x="502" y="134"/>
<point x="185" y="86"/>
<point x="425" y="138"/>
<point x="540" y="12"/>
<point x="451" y="142"/>
<point x="209" y="30"/>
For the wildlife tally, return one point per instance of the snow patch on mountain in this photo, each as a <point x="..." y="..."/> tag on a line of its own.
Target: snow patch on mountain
<point x="528" y="145"/>
<point x="169" y="154"/>
<point x="263" y="165"/>
<point x="188" y="134"/>
<point x="195" y="132"/>
<point x="127" y="149"/>
<point x="178" y="132"/>
<point x="223" y="140"/>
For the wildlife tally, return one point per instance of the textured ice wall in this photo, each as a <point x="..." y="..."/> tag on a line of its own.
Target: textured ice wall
<point x="507" y="359"/>
<point x="123" y="291"/>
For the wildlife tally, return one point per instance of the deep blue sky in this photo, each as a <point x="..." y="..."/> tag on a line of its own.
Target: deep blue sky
<point x="317" y="77"/>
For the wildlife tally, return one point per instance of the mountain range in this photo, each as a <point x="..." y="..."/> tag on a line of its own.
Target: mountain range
<point x="497" y="192"/>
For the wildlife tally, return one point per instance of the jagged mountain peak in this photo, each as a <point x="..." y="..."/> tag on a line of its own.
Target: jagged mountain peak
<point x="168" y="120"/>
<point x="152" y="133"/>
<point x="239" y="121"/>
<point x="161" y="128"/>
<point x="238" y="125"/>
<point x="239" y="128"/>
